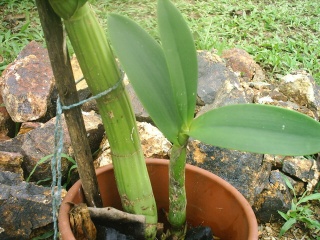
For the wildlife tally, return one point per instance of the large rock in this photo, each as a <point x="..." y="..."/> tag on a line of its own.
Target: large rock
<point x="213" y="73"/>
<point x="38" y="143"/>
<point x="24" y="207"/>
<point x="275" y="197"/>
<point x="27" y="85"/>
<point x="245" y="171"/>
<point x="304" y="169"/>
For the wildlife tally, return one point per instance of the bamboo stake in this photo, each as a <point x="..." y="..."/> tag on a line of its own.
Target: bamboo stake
<point x="61" y="66"/>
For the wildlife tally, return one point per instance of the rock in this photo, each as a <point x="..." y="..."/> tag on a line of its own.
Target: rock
<point x="139" y="111"/>
<point x="241" y="61"/>
<point x="275" y="197"/>
<point x="302" y="89"/>
<point x="302" y="168"/>
<point x="27" y="85"/>
<point x="7" y="126"/>
<point x="39" y="143"/>
<point x="212" y="75"/>
<point x="154" y="145"/>
<point x="11" y="161"/>
<point x="94" y="129"/>
<point x="28" y="126"/>
<point x="245" y="171"/>
<point x="229" y="93"/>
<point x="12" y="145"/>
<point x="24" y="207"/>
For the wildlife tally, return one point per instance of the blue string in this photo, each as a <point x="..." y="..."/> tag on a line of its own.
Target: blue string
<point x="56" y="159"/>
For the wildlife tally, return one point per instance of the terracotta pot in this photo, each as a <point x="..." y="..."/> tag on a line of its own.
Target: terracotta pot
<point x="211" y="201"/>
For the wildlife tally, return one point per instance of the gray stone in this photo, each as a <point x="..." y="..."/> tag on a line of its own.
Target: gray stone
<point x="24" y="207"/>
<point x="212" y="75"/>
<point x="27" y="85"/>
<point x="229" y="93"/>
<point x="305" y="169"/>
<point x="138" y="109"/>
<point x="245" y="171"/>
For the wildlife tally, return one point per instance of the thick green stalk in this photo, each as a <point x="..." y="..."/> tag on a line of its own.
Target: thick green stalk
<point x="177" y="191"/>
<point x="101" y="72"/>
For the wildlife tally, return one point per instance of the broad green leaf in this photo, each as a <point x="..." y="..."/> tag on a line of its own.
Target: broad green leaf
<point x="181" y="57"/>
<point x="258" y="128"/>
<point x="144" y="62"/>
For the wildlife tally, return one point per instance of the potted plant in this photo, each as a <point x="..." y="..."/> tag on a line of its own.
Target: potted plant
<point x="165" y="79"/>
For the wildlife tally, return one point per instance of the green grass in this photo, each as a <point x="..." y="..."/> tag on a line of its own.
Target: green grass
<point x="282" y="35"/>
<point x="19" y="25"/>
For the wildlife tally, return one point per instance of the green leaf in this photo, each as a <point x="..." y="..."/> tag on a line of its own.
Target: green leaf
<point x="42" y="160"/>
<point x="287" y="226"/>
<point x="181" y="57"/>
<point x="283" y="215"/>
<point x="258" y="128"/>
<point x="46" y="235"/>
<point x="70" y="159"/>
<point x="314" y="196"/>
<point x="310" y="222"/>
<point x="143" y="60"/>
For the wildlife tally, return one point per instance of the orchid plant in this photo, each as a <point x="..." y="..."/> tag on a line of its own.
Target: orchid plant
<point x="164" y="77"/>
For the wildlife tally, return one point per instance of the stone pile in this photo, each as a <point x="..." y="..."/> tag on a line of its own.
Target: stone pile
<point x="29" y="96"/>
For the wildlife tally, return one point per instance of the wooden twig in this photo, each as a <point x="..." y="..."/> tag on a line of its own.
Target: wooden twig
<point x="126" y="223"/>
<point x="61" y="66"/>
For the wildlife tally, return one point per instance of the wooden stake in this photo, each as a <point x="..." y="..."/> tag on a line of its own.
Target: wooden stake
<point x="61" y="66"/>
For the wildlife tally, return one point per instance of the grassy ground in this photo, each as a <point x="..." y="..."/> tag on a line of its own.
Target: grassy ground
<point x="282" y="35"/>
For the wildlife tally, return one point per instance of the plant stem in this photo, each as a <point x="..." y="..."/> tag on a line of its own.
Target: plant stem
<point x="101" y="72"/>
<point x="177" y="192"/>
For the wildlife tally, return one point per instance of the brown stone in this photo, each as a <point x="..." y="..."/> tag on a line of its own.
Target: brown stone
<point x="7" y="126"/>
<point x="27" y="84"/>
<point x="28" y="126"/>
<point x="241" y="61"/>
<point x="10" y="161"/>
